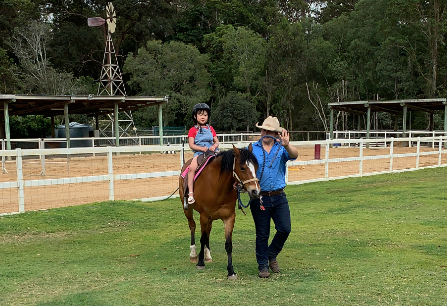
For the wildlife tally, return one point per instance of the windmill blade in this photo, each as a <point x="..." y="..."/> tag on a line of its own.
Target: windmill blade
<point x="110" y="10"/>
<point x="95" y="21"/>
<point x="111" y="17"/>
<point x="111" y="25"/>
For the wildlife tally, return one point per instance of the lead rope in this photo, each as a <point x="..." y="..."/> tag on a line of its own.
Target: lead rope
<point x="263" y="162"/>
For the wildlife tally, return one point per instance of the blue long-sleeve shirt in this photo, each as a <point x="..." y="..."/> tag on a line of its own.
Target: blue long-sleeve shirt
<point x="273" y="177"/>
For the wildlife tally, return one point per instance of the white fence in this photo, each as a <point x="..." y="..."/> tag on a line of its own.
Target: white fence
<point x="34" y="179"/>
<point x="92" y="142"/>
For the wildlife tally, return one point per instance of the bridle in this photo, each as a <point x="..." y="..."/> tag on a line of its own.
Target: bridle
<point x="241" y="182"/>
<point x="241" y="185"/>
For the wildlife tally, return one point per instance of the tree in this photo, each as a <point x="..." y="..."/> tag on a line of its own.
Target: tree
<point x="238" y="58"/>
<point x="8" y="79"/>
<point x="30" y="126"/>
<point x="422" y="28"/>
<point x="171" y="69"/>
<point x="234" y="112"/>
<point x="246" y="51"/>
<point x="13" y="14"/>
<point x="333" y="9"/>
<point x="30" y="45"/>
<point x="284" y="69"/>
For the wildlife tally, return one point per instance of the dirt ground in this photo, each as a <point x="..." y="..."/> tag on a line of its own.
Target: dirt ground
<point x="44" y="197"/>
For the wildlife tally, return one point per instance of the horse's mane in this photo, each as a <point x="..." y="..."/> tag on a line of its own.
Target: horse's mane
<point x="228" y="159"/>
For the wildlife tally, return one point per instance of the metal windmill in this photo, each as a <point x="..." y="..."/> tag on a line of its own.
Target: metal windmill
<point x="111" y="81"/>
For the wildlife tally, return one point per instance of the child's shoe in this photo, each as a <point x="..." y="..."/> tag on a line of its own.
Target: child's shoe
<point x="191" y="198"/>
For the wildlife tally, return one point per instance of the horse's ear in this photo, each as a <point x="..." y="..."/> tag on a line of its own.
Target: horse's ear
<point x="236" y="150"/>
<point x="250" y="148"/>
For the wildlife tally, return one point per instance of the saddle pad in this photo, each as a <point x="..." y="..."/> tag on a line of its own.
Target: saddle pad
<point x="199" y="168"/>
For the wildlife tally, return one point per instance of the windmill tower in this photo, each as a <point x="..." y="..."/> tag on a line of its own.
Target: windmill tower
<point x="110" y="80"/>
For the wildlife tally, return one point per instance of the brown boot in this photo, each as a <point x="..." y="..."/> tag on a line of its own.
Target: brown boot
<point x="264" y="274"/>
<point x="274" y="266"/>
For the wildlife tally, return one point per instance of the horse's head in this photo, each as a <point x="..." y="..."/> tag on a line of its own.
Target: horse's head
<point x="244" y="171"/>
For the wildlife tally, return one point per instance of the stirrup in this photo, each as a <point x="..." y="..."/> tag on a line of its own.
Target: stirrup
<point x="191" y="199"/>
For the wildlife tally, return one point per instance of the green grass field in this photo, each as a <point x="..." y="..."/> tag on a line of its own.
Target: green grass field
<point x="379" y="240"/>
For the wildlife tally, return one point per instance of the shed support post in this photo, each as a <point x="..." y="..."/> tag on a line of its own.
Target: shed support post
<point x="67" y="125"/>
<point x="117" y="127"/>
<point x="7" y="130"/>
<point x="404" y="121"/>
<point x="160" y="122"/>
<point x="368" y="124"/>
<point x="331" y="132"/>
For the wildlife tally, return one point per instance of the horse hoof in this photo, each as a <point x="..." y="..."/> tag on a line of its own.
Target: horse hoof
<point x="208" y="260"/>
<point x="193" y="259"/>
<point x="200" y="267"/>
<point x="232" y="277"/>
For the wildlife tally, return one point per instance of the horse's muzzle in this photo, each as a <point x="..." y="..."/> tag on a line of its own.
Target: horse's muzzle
<point x="254" y="193"/>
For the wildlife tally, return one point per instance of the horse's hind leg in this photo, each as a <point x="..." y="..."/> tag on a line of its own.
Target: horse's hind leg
<point x="204" y="240"/>
<point x="192" y="227"/>
<point x="208" y="257"/>
<point x="229" y="225"/>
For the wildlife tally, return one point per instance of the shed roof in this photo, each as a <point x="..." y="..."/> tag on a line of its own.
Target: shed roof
<point x="391" y="106"/>
<point x="91" y="105"/>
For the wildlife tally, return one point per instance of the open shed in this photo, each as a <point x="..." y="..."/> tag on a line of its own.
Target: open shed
<point x="50" y="106"/>
<point x="392" y="106"/>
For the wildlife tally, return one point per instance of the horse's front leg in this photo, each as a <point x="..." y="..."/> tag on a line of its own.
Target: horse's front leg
<point x="204" y="241"/>
<point x="229" y="225"/>
<point x="192" y="228"/>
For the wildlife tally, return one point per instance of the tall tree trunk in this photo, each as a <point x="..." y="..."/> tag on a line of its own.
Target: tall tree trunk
<point x="269" y="92"/>
<point x="434" y="47"/>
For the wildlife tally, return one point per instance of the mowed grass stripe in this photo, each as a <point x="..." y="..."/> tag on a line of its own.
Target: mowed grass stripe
<point x="376" y="240"/>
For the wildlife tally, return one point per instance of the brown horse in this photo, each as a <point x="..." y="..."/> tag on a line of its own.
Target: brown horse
<point x="216" y="198"/>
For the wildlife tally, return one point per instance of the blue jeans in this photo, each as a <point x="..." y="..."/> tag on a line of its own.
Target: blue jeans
<point x="277" y="209"/>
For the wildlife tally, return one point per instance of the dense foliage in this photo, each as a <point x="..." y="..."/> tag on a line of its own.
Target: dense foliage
<point x="247" y="59"/>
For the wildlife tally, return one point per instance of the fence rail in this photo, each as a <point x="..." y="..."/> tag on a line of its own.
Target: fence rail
<point x="40" y="178"/>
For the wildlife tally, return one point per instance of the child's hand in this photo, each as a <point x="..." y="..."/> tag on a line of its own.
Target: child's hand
<point x="212" y="148"/>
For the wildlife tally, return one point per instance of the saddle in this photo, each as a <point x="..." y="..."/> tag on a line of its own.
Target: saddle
<point x="202" y="161"/>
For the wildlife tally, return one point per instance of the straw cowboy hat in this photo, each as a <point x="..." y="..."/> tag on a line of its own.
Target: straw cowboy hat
<point x="270" y="124"/>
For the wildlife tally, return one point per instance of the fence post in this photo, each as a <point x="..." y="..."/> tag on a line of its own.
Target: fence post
<point x="418" y="149"/>
<point x="391" y="153"/>
<point x="433" y="142"/>
<point x="182" y="155"/>
<point x="3" y="158"/>
<point x="326" y="161"/>
<point x="361" y="158"/>
<point x="42" y="157"/>
<point x="20" y="185"/>
<point x="440" y="151"/>
<point x="110" y="172"/>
